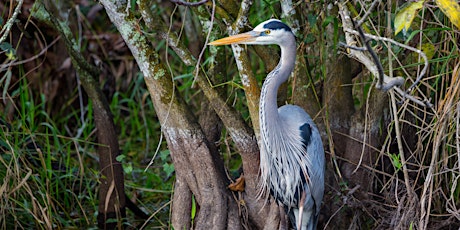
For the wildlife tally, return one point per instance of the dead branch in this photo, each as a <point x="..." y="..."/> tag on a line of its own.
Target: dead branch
<point x="369" y="11"/>
<point x="7" y="27"/>
<point x="388" y="82"/>
<point x="371" y="51"/>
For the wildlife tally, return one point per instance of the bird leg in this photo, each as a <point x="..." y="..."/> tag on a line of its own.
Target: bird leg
<point x="283" y="218"/>
<point x="301" y="204"/>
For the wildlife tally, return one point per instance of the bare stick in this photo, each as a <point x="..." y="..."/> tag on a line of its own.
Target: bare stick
<point x="388" y="82"/>
<point x="343" y="44"/>
<point x="369" y="11"/>
<point x="6" y="29"/>
<point x="425" y="103"/>
<point x="197" y="67"/>
<point x="400" y="145"/>
<point x="421" y="53"/>
<point x="373" y="55"/>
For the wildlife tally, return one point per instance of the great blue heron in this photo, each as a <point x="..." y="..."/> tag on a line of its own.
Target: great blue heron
<point x="292" y="160"/>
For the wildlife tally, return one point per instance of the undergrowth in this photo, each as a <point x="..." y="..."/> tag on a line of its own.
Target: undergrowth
<point x="48" y="147"/>
<point x="50" y="179"/>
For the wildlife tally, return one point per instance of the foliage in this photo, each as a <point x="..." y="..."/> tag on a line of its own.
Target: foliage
<point x="49" y="178"/>
<point x="47" y="142"/>
<point x="452" y="10"/>
<point x="406" y="15"/>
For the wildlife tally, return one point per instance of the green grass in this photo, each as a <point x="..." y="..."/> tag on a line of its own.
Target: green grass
<point x="50" y="179"/>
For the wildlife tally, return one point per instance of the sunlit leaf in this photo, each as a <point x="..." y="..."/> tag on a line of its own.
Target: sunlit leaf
<point x="10" y="55"/>
<point x="405" y="16"/>
<point x="395" y="160"/>
<point x="193" y="211"/>
<point x="451" y="9"/>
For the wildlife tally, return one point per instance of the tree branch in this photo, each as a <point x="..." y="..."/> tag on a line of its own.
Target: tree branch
<point x="388" y="82"/>
<point x="7" y="27"/>
<point x="235" y="124"/>
<point x="190" y="151"/>
<point x="371" y="51"/>
<point x="369" y="11"/>
<point x="241" y="134"/>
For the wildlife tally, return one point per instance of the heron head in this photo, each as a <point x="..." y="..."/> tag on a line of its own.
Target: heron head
<point x="272" y="31"/>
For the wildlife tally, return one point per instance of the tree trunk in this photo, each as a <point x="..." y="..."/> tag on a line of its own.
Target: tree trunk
<point x="195" y="163"/>
<point x="111" y="190"/>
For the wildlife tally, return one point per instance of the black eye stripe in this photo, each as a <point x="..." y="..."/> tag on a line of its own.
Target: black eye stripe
<point x="276" y="25"/>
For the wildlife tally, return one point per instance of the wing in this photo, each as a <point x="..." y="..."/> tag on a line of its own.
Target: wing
<point x="315" y="161"/>
<point x="305" y="133"/>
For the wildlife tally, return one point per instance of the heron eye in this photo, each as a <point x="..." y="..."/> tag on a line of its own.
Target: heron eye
<point x="267" y="31"/>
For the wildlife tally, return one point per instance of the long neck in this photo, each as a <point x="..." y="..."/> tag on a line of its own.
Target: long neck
<point x="268" y="113"/>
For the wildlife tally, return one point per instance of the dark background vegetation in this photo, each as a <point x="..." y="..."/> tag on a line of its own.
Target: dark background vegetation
<point x="78" y="101"/>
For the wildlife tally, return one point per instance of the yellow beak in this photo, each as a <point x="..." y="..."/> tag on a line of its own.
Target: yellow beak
<point x="235" y="39"/>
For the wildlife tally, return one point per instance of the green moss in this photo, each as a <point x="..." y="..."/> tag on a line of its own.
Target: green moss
<point x="158" y="74"/>
<point x="38" y="11"/>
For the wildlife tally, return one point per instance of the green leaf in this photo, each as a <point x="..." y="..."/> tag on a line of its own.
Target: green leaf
<point x="120" y="158"/>
<point x="328" y="20"/>
<point x="193" y="212"/>
<point x="168" y="168"/>
<point x="312" y="18"/>
<point x="5" y="46"/>
<point x="395" y="160"/>
<point x="128" y="168"/>
<point x="164" y="155"/>
<point x="405" y="16"/>
<point x="9" y="50"/>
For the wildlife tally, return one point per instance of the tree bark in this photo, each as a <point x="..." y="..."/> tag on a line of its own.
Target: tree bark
<point x="190" y="150"/>
<point x="241" y="134"/>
